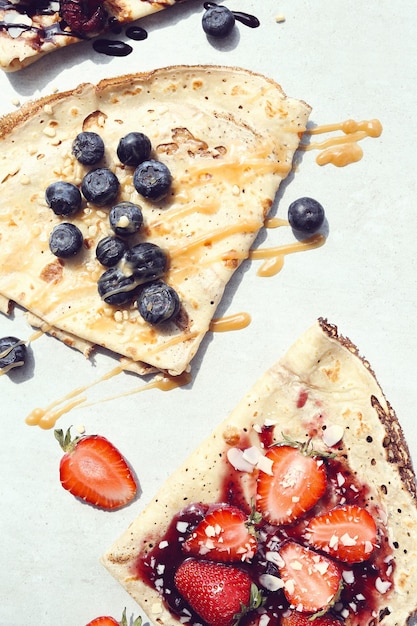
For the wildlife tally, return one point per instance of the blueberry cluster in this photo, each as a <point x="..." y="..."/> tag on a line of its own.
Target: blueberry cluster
<point x="132" y="271"/>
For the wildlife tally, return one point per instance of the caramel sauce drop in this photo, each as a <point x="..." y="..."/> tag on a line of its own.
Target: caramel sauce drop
<point x="236" y="321"/>
<point x="342" y="150"/>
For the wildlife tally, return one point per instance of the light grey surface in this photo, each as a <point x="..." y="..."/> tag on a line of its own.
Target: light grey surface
<point x="347" y="60"/>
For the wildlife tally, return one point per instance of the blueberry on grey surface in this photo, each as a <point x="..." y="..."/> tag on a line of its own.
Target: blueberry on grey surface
<point x="12" y="353"/>
<point x="110" y="251"/>
<point x="134" y="148"/>
<point x="158" y="302"/>
<point x="115" y="287"/>
<point x="306" y="215"/>
<point x="218" y="21"/>
<point x="152" y="179"/>
<point x="63" y="198"/>
<point x="147" y="261"/>
<point x="88" y="148"/>
<point x="100" y="186"/>
<point x="65" y="240"/>
<point x="126" y="218"/>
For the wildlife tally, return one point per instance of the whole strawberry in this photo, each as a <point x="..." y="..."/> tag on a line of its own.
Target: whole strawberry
<point x="95" y="471"/>
<point x="105" y="620"/>
<point x="220" y="594"/>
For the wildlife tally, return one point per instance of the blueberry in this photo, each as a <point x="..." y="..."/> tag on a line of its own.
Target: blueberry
<point x="65" y="240"/>
<point x="12" y="353"/>
<point x="147" y="261"/>
<point x="115" y="287"/>
<point x="88" y="148"/>
<point x="100" y="186"/>
<point x="218" y="21"/>
<point x="126" y="218"/>
<point x="152" y="179"/>
<point x="158" y="302"/>
<point x="63" y="198"/>
<point x="134" y="148"/>
<point x="110" y="251"/>
<point x="306" y="215"/>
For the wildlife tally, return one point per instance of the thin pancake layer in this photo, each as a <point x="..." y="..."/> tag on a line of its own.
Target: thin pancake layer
<point x="321" y="383"/>
<point x="228" y="137"/>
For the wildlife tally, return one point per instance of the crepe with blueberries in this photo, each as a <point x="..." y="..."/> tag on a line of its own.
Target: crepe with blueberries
<point x="127" y="206"/>
<point x="323" y="402"/>
<point x="30" y="30"/>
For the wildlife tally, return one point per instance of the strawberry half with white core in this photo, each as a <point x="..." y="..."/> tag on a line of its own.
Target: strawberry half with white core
<point x="294" y="618"/>
<point x="106" y="620"/>
<point x="297" y="481"/>
<point x="226" y="534"/>
<point x="220" y="594"/>
<point x="311" y="581"/>
<point x="95" y="471"/>
<point x="348" y="533"/>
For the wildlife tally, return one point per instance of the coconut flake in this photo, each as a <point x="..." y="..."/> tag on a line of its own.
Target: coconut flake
<point x="235" y="458"/>
<point x="382" y="586"/>
<point x="348" y="577"/>
<point x="270" y="582"/>
<point x="333" y="434"/>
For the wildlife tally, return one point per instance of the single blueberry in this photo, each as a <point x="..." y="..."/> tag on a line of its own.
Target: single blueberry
<point x="63" y="198"/>
<point x="218" y="21"/>
<point x="306" y="215"/>
<point x="88" y="148"/>
<point x="158" y="302"/>
<point x="13" y="353"/>
<point x="65" y="240"/>
<point x="146" y="261"/>
<point x="152" y="179"/>
<point x="100" y="186"/>
<point x="134" y="148"/>
<point x="110" y="251"/>
<point x="126" y="218"/>
<point x="115" y="287"/>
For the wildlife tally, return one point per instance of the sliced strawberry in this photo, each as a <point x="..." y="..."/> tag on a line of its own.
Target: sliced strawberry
<point x="218" y="593"/>
<point x="94" y="470"/>
<point x="105" y="620"/>
<point x="297" y="482"/>
<point x="311" y="580"/>
<point x="226" y="534"/>
<point x="348" y="533"/>
<point x="295" y="618"/>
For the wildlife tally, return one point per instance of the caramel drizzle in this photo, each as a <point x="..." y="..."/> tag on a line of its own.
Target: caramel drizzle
<point x="47" y="417"/>
<point x="343" y="149"/>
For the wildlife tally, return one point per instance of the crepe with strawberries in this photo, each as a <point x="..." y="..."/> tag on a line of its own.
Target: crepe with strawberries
<point x="225" y="138"/>
<point x="300" y="505"/>
<point x="29" y="30"/>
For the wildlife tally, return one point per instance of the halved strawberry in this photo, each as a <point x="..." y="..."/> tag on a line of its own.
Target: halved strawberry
<point x="311" y="580"/>
<point x="218" y="593"/>
<point x="295" y="618"/>
<point x="105" y="620"/>
<point x="226" y="534"/>
<point x="297" y="482"/>
<point x="94" y="470"/>
<point x="348" y="533"/>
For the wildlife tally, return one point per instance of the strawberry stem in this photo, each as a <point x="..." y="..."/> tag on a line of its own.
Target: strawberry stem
<point x="65" y="441"/>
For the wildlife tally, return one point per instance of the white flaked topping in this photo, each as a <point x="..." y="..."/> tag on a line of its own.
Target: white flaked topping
<point x="348" y="577"/>
<point x="347" y="540"/>
<point x="270" y="582"/>
<point x="249" y="459"/>
<point x="264" y="619"/>
<point x="275" y="558"/>
<point x="182" y="527"/>
<point x="340" y="479"/>
<point x="333" y="434"/>
<point x="163" y="544"/>
<point x="382" y="586"/>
